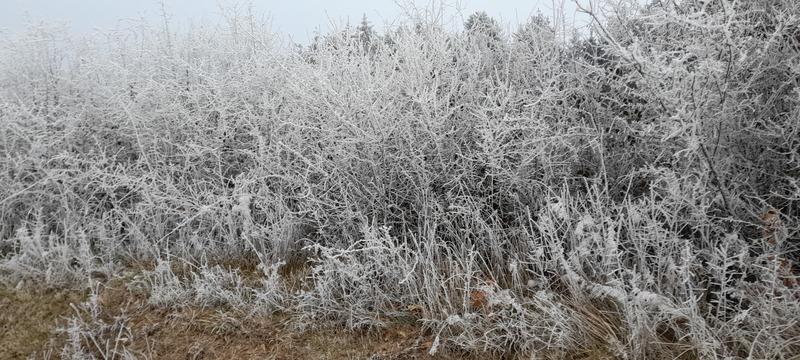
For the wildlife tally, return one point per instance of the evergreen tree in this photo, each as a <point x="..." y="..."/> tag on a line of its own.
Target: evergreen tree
<point x="536" y="31"/>
<point x="482" y="25"/>
<point x="366" y="35"/>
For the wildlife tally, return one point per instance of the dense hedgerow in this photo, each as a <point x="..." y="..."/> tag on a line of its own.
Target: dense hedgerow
<point x="636" y="190"/>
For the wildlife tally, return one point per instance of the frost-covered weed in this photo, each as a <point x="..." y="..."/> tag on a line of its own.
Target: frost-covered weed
<point x="363" y="285"/>
<point x="215" y="286"/>
<point x="49" y="260"/>
<point x="166" y="288"/>
<point x="89" y="336"/>
<point x="505" y="323"/>
<point x="273" y="294"/>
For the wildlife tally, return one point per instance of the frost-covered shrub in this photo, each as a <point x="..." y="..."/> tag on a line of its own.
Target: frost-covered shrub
<point x="363" y="285"/>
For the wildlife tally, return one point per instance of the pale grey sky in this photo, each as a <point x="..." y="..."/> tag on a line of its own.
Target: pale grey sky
<point x="297" y="18"/>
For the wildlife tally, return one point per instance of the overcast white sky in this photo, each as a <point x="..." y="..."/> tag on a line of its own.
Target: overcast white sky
<point x="297" y="18"/>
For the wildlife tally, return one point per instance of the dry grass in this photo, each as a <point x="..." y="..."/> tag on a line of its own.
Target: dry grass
<point x="28" y="319"/>
<point x="29" y="323"/>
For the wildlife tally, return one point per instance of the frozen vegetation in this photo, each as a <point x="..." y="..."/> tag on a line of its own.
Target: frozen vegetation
<point x="632" y="191"/>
